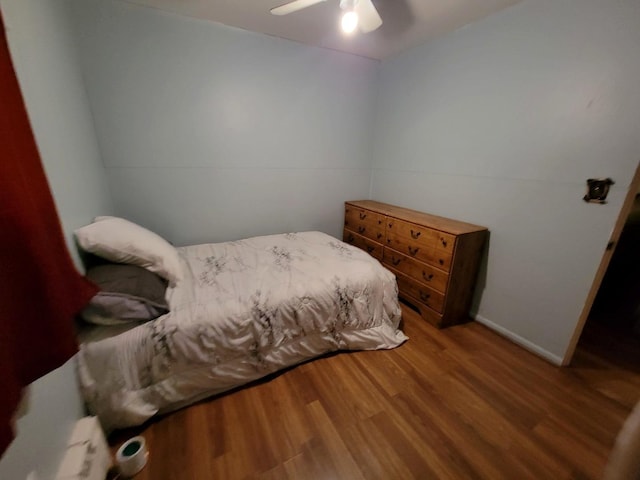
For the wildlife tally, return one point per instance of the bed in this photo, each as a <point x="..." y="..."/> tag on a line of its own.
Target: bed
<point x="242" y="310"/>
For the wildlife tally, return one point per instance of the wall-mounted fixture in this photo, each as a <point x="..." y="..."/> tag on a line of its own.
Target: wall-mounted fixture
<point x="597" y="190"/>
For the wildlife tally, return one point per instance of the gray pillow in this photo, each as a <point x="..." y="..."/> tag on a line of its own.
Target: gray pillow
<point x="127" y="294"/>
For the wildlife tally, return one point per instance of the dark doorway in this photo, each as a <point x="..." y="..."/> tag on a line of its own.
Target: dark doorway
<point x="611" y="335"/>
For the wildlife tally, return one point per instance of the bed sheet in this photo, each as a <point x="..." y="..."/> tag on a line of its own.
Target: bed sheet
<point x="245" y="309"/>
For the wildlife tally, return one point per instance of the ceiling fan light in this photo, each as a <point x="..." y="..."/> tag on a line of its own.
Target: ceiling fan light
<point x="349" y="21"/>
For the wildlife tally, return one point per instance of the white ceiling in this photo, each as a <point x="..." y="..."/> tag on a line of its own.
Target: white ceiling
<point x="407" y="23"/>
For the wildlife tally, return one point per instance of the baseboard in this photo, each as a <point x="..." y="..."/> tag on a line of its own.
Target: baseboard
<point x="517" y="339"/>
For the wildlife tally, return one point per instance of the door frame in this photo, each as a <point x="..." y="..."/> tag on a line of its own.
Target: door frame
<point x="604" y="264"/>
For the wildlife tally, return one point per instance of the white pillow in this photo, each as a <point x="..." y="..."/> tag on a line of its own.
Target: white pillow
<point x="121" y="241"/>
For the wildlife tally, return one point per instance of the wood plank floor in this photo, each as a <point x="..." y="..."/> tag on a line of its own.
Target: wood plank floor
<point x="456" y="403"/>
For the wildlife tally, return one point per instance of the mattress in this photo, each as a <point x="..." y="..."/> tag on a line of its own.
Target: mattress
<point x="244" y="310"/>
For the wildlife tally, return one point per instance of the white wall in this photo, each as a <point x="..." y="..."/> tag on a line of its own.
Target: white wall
<point x="50" y="79"/>
<point x="210" y="133"/>
<point x="500" y="123"/>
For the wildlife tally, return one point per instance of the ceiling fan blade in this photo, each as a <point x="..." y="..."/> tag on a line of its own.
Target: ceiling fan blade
<point x="294" y="6"/>
<point x="368" y="16"/>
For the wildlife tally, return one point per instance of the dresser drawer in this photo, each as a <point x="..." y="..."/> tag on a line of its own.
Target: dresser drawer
<point x="420" y="236"/>
<point x="372" y="248"/>
<point x="365" y="222"/>
<point x="420" y="293"/>
<point x="425" y="274"/>
<point x="420" y="246"/>
<point x="435" y="259"/>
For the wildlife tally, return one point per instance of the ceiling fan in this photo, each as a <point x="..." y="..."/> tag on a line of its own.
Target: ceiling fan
<point x="357" y="13"/>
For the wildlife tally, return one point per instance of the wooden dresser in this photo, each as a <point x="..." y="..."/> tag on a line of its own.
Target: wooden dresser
<point x="434" y="259"/>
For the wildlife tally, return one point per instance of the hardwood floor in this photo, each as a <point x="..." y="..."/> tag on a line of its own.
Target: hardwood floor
<point x="455" y="403"/>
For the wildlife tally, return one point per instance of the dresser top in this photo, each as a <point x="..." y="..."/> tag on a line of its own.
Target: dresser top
<point x="439" y="223"/>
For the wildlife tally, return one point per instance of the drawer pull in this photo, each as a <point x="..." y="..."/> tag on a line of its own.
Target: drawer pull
<point x="350" y="238"/>
<point x="379" y="236"/>
<point x="424" y="296"/>
<point x="395" y="261"/>
<point x="444" y="242"/>
<point x="427" y="277"/>
<point x="391" y="225"/>
<point x="370" y="248"/>
<point x="413" y="251"/>
<point x="363" y="216"/>
<point x="415" y="235"/>
<point x="441" y="261"/>
<point x="361" y="229"/>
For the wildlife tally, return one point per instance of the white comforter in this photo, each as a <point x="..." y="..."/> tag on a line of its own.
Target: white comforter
<point x="246" y="309"/>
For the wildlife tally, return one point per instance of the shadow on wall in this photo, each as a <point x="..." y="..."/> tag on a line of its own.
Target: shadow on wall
<point x="481" y="280"/>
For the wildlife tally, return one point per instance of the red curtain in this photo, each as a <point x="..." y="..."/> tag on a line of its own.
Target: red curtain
<point x="40" y="290"/>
